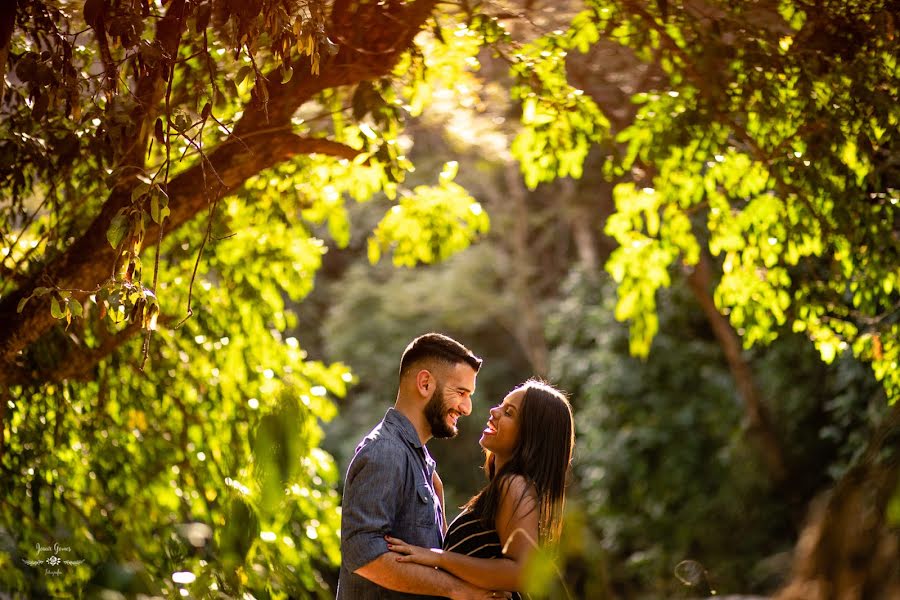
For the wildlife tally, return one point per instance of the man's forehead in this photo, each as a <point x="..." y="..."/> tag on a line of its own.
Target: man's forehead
<point x="458" y="374"/>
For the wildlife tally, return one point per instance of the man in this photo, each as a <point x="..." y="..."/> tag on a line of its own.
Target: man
<point x="392" y="486"/>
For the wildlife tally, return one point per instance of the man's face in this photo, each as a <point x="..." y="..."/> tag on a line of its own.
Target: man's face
<point x="438" y="415"/>
<point x="452" y="399"/>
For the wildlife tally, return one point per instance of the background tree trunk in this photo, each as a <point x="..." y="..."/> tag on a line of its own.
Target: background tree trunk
<point x="848" y="549"/>
<point x="759" y="427"/>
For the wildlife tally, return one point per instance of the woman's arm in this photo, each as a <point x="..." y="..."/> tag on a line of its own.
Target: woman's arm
<point x="518" y="519"/>
<point x="496" y="573"/>
<point x="517" y="527"/>
<point x="417" y="579"/>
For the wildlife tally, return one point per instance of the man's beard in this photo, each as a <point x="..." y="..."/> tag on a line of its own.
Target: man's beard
<point x="436" y="415"/>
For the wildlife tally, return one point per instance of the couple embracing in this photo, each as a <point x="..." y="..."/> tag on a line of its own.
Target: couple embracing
<point x="394" y="539"/>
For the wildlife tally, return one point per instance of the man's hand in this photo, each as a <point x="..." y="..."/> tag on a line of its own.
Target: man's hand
<point x="430" y="557"/>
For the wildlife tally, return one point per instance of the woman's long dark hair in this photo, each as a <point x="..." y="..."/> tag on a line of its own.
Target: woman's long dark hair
<point x="542" y="456"/>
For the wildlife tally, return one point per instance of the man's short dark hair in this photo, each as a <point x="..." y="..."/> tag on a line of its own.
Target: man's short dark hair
<point x="440" y="348"/>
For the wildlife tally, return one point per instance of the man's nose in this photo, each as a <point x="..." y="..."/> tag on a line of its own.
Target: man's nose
<point x="466" y="406"/>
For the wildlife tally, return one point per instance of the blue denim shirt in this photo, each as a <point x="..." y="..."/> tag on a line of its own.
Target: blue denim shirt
<point x="388" y="490"/>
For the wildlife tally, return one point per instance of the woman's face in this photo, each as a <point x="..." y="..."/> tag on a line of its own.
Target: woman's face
<point x="502" y="432"/>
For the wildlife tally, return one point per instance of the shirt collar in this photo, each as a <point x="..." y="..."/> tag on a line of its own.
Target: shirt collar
<point x="405" y="427"/>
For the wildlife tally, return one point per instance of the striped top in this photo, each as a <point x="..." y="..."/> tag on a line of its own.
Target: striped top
<point x="466" y="535"/>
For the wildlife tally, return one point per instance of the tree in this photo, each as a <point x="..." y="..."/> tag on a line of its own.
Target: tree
<point x="163" y="166"/>
<point x="768" y="152"/>
<point x="662" y="472"/>
<point x="170" y="160"/>
<point x="163" y="67"/>
<point x="771" y="146"/>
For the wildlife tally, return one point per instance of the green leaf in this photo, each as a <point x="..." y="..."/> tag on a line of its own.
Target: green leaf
<point x="75" y="307"/>
<point x="55" y="308"/>
<point x="118" y="227"/>
<point x="154" y="208"/>
<point x="163" y="196"/>
<point x="242" y="74"/>
<point x="139" y="191"/>
<point x="448" y="173"/>
<point x="181" y="122"/>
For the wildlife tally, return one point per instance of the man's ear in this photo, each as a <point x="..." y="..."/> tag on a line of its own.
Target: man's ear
<point x="425" y="382"/>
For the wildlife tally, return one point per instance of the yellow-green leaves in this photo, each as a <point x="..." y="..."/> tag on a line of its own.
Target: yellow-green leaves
<point x="560" y="123"/>
<point x="884" y="352"/>
<point x="37" y="293"/>
<point x="429" y="224"/>
<point x="556" y="138"/>
<point x="652" y="236"/>
<point x="443" y="68"/>
<point x="793" y="14"/>
<point x="749" y="229"/>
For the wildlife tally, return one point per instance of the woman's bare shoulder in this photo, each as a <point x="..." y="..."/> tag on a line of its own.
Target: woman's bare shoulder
<point x="517" y="489"/>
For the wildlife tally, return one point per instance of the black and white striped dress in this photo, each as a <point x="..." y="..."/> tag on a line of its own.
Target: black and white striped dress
<point x="466" y="535"/>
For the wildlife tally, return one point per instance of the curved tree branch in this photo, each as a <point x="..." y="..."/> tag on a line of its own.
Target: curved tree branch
<point x="87" y="261"/>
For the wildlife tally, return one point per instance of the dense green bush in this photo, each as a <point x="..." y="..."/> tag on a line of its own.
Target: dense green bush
<point x="663" y="468"/>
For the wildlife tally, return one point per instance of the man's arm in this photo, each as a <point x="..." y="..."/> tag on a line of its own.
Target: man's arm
<point x="418" y="579"/>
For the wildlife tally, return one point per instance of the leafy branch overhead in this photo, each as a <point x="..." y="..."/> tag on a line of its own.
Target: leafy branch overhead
<point x="212" y="99"/>
<point x="772" y="146"/>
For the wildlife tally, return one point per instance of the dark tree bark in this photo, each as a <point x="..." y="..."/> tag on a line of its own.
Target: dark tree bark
<point x="7" y="24"/>
<point x="848" y="550"/>
<point x="760" y="429"/>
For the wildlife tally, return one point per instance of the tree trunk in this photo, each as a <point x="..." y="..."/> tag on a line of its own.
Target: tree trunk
<point x="7" y="24"/>
<point x="760" y="429"/>
<point x="848" y="550"/>
<point x="528" y="325"/>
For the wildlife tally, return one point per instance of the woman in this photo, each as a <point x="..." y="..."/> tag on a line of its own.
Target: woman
<point x="528" y="442"/>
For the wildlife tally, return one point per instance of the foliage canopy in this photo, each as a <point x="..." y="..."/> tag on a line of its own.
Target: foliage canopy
<point x="773" y="147"/>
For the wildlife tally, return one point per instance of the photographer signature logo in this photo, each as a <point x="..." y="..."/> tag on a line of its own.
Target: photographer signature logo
<point x="53" y="563"/>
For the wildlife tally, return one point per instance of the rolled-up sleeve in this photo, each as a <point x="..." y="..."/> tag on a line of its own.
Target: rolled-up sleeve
<point x="372" y="492"/>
